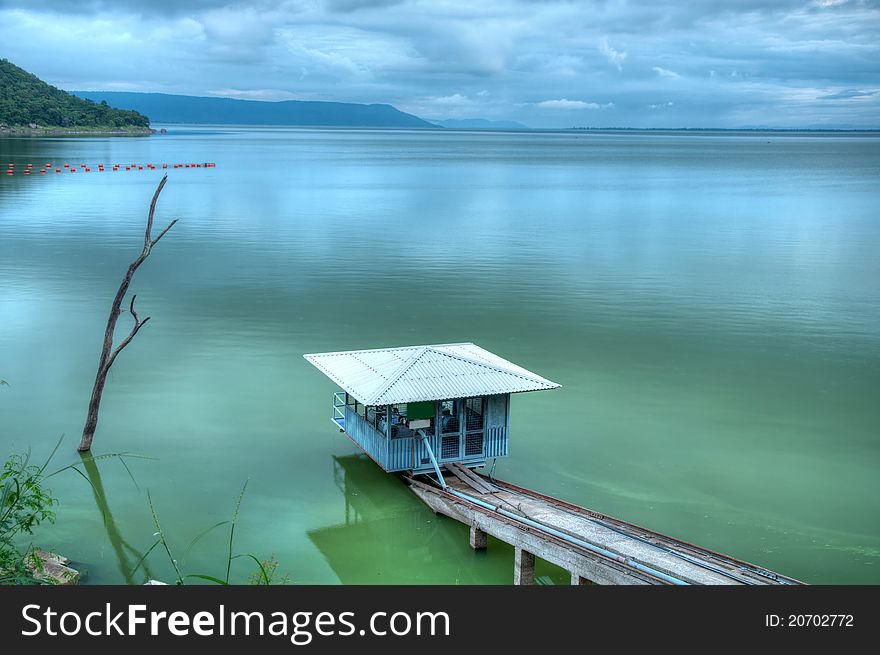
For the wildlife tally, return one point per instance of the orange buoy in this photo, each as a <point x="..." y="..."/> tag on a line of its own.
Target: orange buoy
<point x="66" y="165"/>
<point x="57" y="170"/>
<point x="73" y="170"/>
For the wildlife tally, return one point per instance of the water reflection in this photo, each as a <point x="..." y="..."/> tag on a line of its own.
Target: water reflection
<point x="385" y="538"/>
<point x="129" y="559"/>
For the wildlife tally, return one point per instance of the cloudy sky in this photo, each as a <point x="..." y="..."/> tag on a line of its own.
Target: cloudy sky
<point x="546" y="63"/>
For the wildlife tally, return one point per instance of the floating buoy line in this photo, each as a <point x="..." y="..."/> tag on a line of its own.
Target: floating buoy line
<point x="57" y="169"/>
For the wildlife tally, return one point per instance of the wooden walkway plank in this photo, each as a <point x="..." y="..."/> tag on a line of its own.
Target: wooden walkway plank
<point x="471" y="479"/>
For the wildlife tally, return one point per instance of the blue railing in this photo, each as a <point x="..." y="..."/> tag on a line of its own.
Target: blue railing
<point x="338" y="416"/>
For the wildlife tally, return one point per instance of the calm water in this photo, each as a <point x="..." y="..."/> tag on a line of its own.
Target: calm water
<point x="710" y="304"/>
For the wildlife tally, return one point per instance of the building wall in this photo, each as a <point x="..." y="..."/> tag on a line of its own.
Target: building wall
<point x="496" y="421"/>
<point x="409" y="453"/>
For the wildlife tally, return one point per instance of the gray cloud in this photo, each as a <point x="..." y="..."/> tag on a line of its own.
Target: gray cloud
<point x="847" y="94"/>
<point x="698" y="63"/>
<point x="141" y="7"/>
<point x="355" y="5"/>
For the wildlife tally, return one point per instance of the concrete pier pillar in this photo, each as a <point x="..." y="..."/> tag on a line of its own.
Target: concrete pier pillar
<point x="478" y="538"/>
<point x="578" y="580"/>
<point x="523" y="567"/>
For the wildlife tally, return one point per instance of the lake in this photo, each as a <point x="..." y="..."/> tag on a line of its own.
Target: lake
<point x="710" y="303"/>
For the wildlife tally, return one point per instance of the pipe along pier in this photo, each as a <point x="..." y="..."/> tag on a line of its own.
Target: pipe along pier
<point x="595" y="548"/>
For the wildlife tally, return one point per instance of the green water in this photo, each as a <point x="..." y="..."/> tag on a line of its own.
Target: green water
<point x="709" y="302"/>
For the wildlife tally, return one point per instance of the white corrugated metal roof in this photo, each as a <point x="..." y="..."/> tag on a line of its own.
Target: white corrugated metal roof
<point x="387" y="376"/>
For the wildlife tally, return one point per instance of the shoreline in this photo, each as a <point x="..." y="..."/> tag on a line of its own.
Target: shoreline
<point x="18" y="131"/>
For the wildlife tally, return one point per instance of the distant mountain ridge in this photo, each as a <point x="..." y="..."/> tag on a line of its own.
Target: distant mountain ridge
<point x="480" y="124"/>
<point x="168" y="108"/>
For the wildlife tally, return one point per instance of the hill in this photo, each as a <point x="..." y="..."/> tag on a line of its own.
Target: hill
<point x="25" y="101"/>
<point x="166" y="108"/>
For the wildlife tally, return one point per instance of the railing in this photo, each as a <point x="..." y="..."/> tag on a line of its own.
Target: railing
<point x="339" y="408"/>
<point x="366" y="436"/>
<point x="404" y="453"/>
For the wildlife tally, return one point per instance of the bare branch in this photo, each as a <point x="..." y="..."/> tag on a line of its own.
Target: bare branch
<point x="137" y="326"/>
<point x="147" y="243"/>
<point x="162" y="233"/>
<point x="134" y="330"/>
<point x="131" y="308"/>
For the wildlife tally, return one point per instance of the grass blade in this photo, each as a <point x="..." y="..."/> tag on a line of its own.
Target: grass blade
<point x="259" y="564"/>
<point x="210" y="578"/>
<point x="51" y="455"/>
<point x="194" y="541"/>
<point x="162" y="538"/>
<point x="144" y="556"/>
<point x="232" y="529"/>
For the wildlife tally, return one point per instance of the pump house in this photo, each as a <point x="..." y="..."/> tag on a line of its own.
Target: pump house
<point x="418" y="407"/>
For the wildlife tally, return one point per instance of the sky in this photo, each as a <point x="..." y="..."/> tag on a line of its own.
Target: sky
<point x="545" y="63"/>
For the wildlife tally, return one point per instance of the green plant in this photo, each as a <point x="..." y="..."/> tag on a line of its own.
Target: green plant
<point x="265" y="574"/>
<point x="24" y="504"/>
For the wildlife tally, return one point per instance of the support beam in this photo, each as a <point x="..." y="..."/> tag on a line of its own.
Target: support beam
<point x="427" y="443"/>
<point x="579" y="580"/>
<point x="523" y="567"/>
<point x="478" y="538"/>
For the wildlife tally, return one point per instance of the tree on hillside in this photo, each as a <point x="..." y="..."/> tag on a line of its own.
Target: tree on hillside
<point x="25" y="99"/>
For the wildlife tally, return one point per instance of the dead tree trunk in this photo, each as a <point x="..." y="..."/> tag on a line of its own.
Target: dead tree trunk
<point x="108" y="353"/>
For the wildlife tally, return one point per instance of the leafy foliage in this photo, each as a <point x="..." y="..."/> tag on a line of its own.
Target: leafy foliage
<point x="24" y="504"/>
<point x="25" y="99"/>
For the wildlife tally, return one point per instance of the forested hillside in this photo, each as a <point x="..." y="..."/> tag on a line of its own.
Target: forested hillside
<point x="25" y="100"/>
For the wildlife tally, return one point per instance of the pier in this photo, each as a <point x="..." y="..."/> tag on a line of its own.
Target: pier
<point x="593" y="547"/>
<point x="418" y="411"/>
